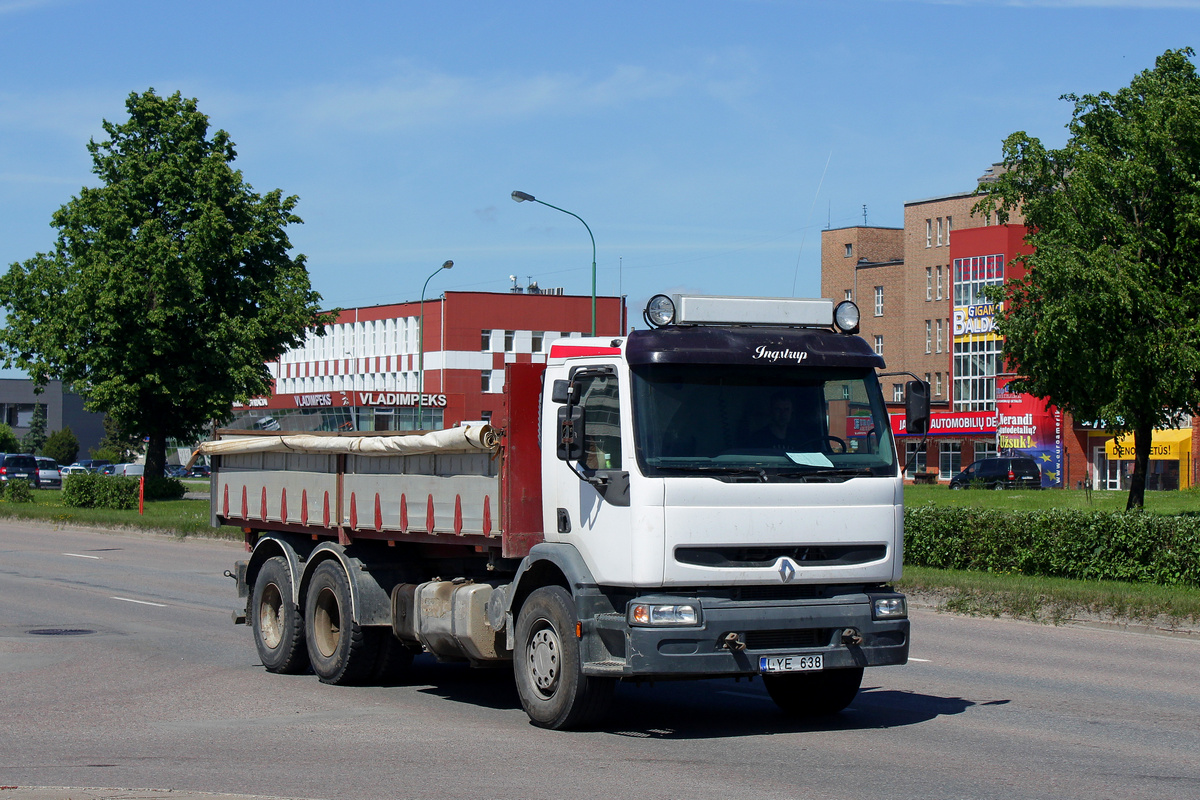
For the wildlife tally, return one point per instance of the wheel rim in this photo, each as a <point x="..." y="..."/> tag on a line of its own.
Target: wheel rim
<point x="270" y="612"/>
<point x="327" y="630"/>
<point x="544" y="654"/>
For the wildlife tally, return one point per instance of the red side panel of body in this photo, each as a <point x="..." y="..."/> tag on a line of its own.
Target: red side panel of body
<point x="521" y="472"/>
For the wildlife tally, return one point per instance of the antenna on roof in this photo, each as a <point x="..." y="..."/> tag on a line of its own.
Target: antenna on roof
<point x="864" y="215"/>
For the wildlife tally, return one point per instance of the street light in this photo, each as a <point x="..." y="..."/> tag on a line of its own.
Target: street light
<point x="421" y="348"/>
<point x="521" y="197"/>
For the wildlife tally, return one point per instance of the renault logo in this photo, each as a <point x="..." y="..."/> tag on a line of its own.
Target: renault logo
<point x="787" y="570"/>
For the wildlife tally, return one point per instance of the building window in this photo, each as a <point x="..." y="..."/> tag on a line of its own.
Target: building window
<point x="914" y="458"/>
<point x="973" y="275"/>
<point x="929" y="283"/>
<point x="538" y="338"/>
<point x="849" y="250"/>
<point x="975" y="364"/>
<point x="948" y="224"/>
<point x="897" y="391"/>
<point x="938" y="386"/>
<point x="485" y="340"/>
<point x="879" y="345"/>
<point x="879" y="301"/>
<point x="509" y="336"/>
<point x="940" y="294"/>
<point x="928" y="382"/>
<point x="951" y="460"/>
<point x="928" y="336"/>
<point x="939" y="231"/>
<point x="486" y="381"/>
<point x="929" y="233"/>
<point x="849" y="294"/>
<point x="985" y="450"/>
<point x="939" y="336"/>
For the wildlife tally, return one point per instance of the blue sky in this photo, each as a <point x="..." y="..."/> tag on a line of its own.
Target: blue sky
<point x="705" y="143"/>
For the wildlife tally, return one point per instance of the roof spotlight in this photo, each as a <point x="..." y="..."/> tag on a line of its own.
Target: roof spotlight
<point x="659" y="311"/>
<point x="845" y="317"/>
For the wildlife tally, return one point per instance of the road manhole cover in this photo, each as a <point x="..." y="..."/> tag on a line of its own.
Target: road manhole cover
<point x="60" y="631"/>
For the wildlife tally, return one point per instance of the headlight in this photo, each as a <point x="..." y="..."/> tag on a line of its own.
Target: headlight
<point x="651" y="614"/>
<point x="889" y="608"/>
<point x="660" y="311"/>
<point x="845" y="317"/>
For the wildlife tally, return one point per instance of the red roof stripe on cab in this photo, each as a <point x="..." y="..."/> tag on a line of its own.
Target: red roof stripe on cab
<point x="582" y="351"/>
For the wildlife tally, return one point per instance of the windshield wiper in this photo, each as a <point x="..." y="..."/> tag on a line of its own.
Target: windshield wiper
<point x="757" y="472"/>
<point x="827" y="473"/>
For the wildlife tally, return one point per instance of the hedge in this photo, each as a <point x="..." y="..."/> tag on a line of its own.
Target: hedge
<point x="1086" y="545"/>
<point x="94" y="490"/>
<point x="17" y="490"/>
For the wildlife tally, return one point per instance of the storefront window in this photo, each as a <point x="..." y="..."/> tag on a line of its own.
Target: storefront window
<point x="914" y="458"/>
<point x="951" y="460"/>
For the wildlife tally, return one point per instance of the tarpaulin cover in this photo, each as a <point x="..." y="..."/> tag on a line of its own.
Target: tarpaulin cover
<point x="453" y="440"/>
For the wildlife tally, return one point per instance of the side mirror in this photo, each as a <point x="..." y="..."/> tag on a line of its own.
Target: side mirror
<point x="570" y="433"/>
<point x="560" y="392"/>
<point x="916" y="406"/>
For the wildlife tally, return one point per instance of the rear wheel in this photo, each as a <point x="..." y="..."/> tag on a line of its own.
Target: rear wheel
<point x="278" y="626"/>
<point x="810" y="694"/>
<point x="554" y="691"/>
<point x="340" y="650"/>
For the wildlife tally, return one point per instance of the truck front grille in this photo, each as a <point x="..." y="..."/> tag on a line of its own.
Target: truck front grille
<point x="822" y="555"/>
<point x="788" y="639"/>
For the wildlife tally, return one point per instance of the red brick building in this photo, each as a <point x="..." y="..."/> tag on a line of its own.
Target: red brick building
<point x="365" y="373"/>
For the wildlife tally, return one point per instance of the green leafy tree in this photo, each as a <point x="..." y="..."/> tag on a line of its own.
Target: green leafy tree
<point x="1106" y="323"/>
<point x="169" y="285"/>
<point x="35" y="438"/>
<point x="62" y="446"/>
<point x="9" y="443"/>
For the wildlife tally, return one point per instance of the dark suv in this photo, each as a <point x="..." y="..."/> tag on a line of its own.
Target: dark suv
<point x="1003" y="472"/>
<point x="20" y="467"/>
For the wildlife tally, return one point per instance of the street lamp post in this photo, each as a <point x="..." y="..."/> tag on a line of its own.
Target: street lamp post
<point x="421" y="348"/>
<point x="521" y="197"/>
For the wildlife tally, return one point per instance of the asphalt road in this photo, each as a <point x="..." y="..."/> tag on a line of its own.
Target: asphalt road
<point x="119" y="667"/>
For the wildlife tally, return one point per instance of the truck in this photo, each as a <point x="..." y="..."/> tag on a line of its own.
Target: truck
<point x="717" y="495"/>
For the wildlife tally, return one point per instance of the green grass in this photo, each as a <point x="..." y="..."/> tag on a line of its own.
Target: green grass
<point x="1053" y="600"/>
<point x="1168" y="503"/>
<point x="178" y="517"/>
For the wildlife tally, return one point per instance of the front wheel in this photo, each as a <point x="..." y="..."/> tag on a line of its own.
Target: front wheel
<point x="810" y="694"/>
<point x="554" y="691"/>
<point x="278" y="626"/>
<point x="340" y="650"/>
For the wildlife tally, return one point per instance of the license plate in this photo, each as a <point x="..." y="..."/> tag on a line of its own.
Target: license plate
<point x="790" y="663"/>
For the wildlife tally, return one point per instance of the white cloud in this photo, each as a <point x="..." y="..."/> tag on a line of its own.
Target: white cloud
<point x="418" y="98"/>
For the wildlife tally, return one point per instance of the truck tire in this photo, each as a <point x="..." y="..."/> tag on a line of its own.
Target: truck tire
<point x="554" y="691"/>
<point x="278" y="626"/>
<point x="812" y="694"/>
<point x="340" y="651"/>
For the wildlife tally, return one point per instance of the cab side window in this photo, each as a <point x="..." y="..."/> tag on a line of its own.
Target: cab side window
<point x="601" y="406"/>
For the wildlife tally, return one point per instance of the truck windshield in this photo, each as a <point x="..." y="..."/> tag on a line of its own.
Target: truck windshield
<point x="760" y="422"/>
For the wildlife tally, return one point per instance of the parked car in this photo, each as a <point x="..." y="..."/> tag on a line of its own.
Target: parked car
<point x="177" y="471"/>
<point x="74" y="469"/>
<point x="93" y="464"/>
<point x="19" y="466"/>
<point x="1000" y="472"/>
<point x="200" y="471"/>
<point x="48" y="473"/>
<point x="130" y="470"/>
<point x="107" y="469"/>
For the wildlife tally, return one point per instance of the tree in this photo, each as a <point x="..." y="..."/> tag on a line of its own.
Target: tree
<point x="62" y="446"/>
<point x="1106" y="323"/>
<point x="169" y="285"/>
<point x="9" y="443"/>
<point x="35" y="438"/>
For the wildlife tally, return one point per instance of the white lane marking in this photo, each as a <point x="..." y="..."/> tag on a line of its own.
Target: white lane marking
<point x="922" y="660"/>
<point x="78" y="555"/>
<point x="139" y="602"/>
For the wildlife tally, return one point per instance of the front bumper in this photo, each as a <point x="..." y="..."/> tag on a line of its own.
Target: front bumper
<point x="615" y="648"/>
